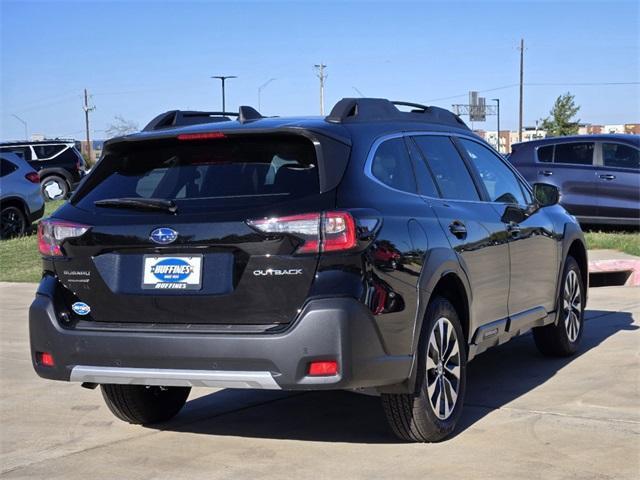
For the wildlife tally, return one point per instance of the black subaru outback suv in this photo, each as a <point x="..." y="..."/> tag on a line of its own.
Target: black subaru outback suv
<point x="375" y="248"/>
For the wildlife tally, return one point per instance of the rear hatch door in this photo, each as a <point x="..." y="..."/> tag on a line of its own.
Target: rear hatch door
<point x="170" y="239"/>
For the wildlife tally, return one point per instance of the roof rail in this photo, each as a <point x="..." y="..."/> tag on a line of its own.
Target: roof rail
<point x="181" y="118"/>
<point x="381" y="109"/>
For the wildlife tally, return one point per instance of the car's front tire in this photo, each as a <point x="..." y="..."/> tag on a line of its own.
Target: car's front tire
<point x="143" y="405"/>
<point x="430" y="414"/>
<point x="562" y="338"/>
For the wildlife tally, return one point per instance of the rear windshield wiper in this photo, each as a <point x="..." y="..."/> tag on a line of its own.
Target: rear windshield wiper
<point x="138" y="204"/>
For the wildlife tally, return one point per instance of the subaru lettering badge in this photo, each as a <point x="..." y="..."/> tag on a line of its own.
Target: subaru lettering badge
<point x="164" y="235"/>
<point x="81" y="308"/>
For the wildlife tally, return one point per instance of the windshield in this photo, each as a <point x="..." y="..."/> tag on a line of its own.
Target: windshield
<point x="201" y="174"/>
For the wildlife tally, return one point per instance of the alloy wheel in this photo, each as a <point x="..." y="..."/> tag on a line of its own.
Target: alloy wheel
<point x="53" y="190"/>
<point x="572" y="306"/>
<point x="443" y="368"/>
<point x="12" y="222"/>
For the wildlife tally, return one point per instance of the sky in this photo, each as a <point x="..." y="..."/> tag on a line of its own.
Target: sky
<point x="138" y="59"/>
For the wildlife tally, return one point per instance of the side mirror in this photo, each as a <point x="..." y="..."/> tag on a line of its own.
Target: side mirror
<point x="513" y="214"/>
<point x="546" y="194"/>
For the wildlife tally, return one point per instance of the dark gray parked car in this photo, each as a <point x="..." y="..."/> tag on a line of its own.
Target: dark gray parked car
<point x="598" y="175"/>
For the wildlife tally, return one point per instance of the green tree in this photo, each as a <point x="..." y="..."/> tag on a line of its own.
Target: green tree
<point x="560" y="122"/>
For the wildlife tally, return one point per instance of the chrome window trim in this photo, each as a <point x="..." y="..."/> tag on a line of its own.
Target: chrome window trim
<point x="380" y="140"/>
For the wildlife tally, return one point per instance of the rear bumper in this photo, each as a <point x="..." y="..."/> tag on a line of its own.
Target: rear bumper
<point x="338" y="329"/>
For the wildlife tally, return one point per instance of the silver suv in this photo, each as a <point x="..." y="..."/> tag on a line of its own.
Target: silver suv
<point x="20" y="200"/>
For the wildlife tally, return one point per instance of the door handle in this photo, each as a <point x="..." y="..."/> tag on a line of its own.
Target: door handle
<point x="546" y="173"/>
<point x="513" y="229"/>
<point x="458" y="229"/>
<point x="608" y="177"/>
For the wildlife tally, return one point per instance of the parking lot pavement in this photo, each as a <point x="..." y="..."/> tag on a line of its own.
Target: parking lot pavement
<point x="525" y="417"/>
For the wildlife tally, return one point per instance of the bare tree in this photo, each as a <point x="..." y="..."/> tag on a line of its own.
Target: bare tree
<point x="120" y="127"/>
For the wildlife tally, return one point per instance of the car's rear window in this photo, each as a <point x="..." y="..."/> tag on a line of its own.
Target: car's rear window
<point x="199" y="174"/>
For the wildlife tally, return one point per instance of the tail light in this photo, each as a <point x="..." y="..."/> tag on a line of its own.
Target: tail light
<point x="51" y="234"/>
<point x="323" y="369"/>
<point x="321" y="232"/>
<point x="33" y="177"/>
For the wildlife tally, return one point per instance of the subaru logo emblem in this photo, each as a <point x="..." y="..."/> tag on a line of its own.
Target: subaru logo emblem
<point x="163" y="235"/>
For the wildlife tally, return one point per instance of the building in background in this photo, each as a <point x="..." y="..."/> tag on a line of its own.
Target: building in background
<point x="96" y="149"/>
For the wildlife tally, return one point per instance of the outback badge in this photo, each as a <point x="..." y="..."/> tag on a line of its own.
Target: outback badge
<point x="163" y="235"/>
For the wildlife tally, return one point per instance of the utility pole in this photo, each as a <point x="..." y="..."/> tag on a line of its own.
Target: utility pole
<point x="222" y="78"/>
<point x="87" y="109"/>
<point x="261" y="87"/>
<point x="322" y="76"/>
<point x="26" y="130"/>
<point x="497" y="100"/>
<point x="521" y="88"/>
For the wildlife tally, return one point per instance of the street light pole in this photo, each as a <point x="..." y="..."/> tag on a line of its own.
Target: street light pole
<point x="223" y="78"/>
<point x="261" y="87"/>
<point x="497" y="100"/>
<point x="26" y="131"/>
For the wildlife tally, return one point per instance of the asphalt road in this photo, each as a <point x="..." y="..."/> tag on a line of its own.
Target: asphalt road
<point x="525" y="417"/>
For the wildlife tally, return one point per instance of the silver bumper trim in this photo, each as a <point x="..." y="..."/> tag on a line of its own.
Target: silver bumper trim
<point x="173" y="377"/>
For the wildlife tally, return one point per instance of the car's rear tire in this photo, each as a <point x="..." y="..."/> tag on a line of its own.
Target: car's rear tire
<point x="142" y="405"/>
<point x="13" y="222"/>
<point x="54" y="187"/>
<point x="562" y="338"/>
<point x="427" y="415"/>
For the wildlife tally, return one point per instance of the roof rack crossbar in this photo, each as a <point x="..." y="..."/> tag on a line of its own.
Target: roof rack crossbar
<point x="381" y="109"/>
<point x="181" y="118"/>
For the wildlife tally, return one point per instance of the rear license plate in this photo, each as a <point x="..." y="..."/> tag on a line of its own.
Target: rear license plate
<point x="172" y="273"/>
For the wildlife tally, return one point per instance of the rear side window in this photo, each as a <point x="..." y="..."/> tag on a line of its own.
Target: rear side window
<point x="620" y="156"/>
<point x="47" y="151"/>
<point x="392" y="166"/>
<point x="206" y="174"/>
<point x="580" y="153"/>
<point x="22" y="152"/>
<point x="545" y="154"/>
<point x="6" y="167"/>
<point x="450" y="172"/>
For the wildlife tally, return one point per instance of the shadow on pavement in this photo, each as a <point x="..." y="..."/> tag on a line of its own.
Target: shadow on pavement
<point x="494" y="379"/>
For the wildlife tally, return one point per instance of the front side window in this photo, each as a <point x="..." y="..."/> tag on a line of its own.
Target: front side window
<point x="620" y="156"/>
<point x="449" y="170"/>
<point x="501" y="183"/>
<point x="579" y="153"/>
<point x="392" y="166"/>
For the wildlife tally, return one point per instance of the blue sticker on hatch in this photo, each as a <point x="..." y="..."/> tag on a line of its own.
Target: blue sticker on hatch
<point x="81" y="308"/>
